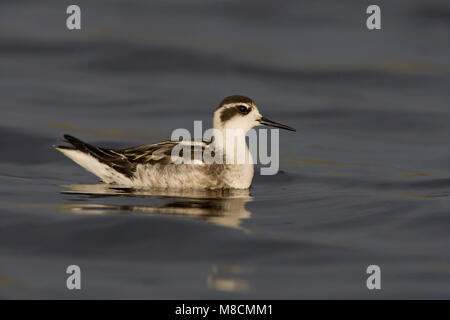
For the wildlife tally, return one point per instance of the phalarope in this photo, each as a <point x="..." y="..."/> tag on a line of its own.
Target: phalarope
<point x="154" y="166"/>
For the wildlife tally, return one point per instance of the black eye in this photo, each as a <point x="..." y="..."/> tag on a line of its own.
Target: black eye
<point x="243" y="109"/>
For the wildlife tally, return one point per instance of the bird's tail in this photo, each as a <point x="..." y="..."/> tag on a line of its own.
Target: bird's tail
<point x="94" y="159"/>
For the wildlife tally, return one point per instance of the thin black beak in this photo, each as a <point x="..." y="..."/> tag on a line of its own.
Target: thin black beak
<point x="267" y="122"/>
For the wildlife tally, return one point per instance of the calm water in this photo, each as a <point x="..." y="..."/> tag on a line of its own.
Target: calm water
<point x="365" y="180"/>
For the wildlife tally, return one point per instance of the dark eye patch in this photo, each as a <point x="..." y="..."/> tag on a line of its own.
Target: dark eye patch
<point x="230" y="112"/>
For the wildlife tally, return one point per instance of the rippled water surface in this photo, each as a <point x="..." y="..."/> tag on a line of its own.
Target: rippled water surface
<point x="364" y="180"/>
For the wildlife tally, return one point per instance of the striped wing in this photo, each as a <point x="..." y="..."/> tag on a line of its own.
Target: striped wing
<point x="161" y="152"/>
<point x="126" y="160"/>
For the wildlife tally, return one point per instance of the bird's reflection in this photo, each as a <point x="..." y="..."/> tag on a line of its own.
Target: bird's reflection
<point x="222" y="207"/>
<point x="229" y="278"/>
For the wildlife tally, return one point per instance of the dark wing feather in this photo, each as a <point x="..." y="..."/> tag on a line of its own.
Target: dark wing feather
<point x="109" y="157"/>
<point x="158" y="153"/>
<point x="153" y="153"/>
<point x="126" y="160"/>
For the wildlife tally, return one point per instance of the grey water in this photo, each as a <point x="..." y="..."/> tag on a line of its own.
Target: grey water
<point x="364" y="181"/>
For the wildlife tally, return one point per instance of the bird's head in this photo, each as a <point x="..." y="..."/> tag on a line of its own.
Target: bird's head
<point x="240" y="112"/>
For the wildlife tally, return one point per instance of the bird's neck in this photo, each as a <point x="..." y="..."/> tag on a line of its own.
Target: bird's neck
<point x="233" y="145"/>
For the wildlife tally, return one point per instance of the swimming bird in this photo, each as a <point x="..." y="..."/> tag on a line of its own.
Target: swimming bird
<point x="157" y="166"/>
